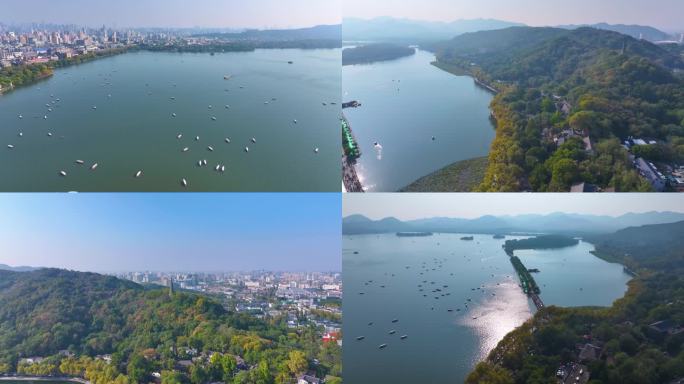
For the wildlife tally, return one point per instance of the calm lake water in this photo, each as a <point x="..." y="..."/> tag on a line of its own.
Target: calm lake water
<point x="133" y="127"/>
<point x="404" y="103"/>
<point x="481" y="289"/>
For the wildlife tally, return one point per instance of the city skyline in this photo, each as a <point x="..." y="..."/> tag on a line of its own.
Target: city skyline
<point x="474" y="205"/>
<point x="260" y="14"/>
<point x="169" y="232"/>
<point x="664" y="14"/>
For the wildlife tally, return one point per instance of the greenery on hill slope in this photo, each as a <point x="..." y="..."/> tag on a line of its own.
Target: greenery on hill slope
<point x="630" y="351"/>
<point x="612" y="87"/>
<point x="145" y="330"/>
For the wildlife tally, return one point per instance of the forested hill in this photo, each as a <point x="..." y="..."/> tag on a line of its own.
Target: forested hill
<point x="539" y="56"/>
<point x="569" y="84"/>
<point x="71" y="319"/>
<point x="656" y="247"/>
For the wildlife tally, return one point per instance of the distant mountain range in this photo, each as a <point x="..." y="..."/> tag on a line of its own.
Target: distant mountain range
<point x="636" y="31"/>
<point x="319" y="32"/>
<point x="388" y="29"/>
<point x="5" y="267"/>
<point x="576" y="224"/>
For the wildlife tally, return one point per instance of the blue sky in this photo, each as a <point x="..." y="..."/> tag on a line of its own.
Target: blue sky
<point x="666" y="14"/>
<point x="175" y="13"/>
<point x="472" y="205"/>
<point x="172" y="232"/>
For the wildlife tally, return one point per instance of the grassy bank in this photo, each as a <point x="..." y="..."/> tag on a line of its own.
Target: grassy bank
<point x="462" y="176"/>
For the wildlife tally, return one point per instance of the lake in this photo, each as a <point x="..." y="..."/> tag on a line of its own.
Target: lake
<point x="405" y="102"/>
<point x="119" y="111"/>
<point x="474" y="279"/>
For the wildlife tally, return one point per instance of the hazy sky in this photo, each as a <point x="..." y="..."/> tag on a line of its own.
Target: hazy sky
<point x="172" y="232"/>
<point x="175" y="13"/>
<point x="473" y="205"/>
<point x="668" y="14"/>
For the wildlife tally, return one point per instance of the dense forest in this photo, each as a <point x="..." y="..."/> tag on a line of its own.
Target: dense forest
<point x="561" y="89"/>
<point x="73" y="319"/>
<point x="638" y="340"/>
<point x="539" y="242"/>
<point x="370" y="53"/>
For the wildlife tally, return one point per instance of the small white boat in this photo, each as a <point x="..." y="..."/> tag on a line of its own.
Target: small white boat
<point x="81" y="162"/>
<point x="253" y="140"/>
<point x="45" y="117"/>
<point x="184" y="182"/>
<point x="218" y="166"/>
<point x="180" y="135"/>
<point x="227" y="77"/>
<point x="316" y="150"/>
<point x="295" y="121"/>
<point x="63" y="173"/>
<point x="138" y="174"/>
<point x="210" y="148"/>
<point x="10" y="146"/>
<point x="173" y="115"/>
<point x="213" y="118"/>
<point x="265" y="102"/>
<point x="196" y="138"/>
<point x="210" y="107"/>
<point x="246" y="149"/>
<point x="227" y="106"/>
<point x="223" y="168"/>
<point x="94" y="107"/>
<point x="21" y="117"/>
<point x="199" y="163"/>
<point x="94" y="167"/>
<point x="49" y="134"/>
<point x="21" y="134"/>
<point x="204" y="161"/>
<point x="227" y="140"/>
<point x="186" y="149"/>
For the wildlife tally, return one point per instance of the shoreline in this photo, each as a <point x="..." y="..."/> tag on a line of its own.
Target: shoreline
<point x="45" y="378"/>
<point x="460" y="176"/>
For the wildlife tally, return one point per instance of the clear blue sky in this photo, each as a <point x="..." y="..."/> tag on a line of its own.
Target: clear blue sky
<point x="473" y="205"/>
<point x="175" y="13"/>
<point x="172" y="232"/>
<point x="667" y="14"/>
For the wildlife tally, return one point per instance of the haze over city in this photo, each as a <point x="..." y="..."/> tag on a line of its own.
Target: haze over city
<point x="664" y="14"/>
<point x="262" y="14"/>
<point x="172" y="232"/>
<point x="472" y="205"/>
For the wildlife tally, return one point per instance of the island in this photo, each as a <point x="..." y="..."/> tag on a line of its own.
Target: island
<point x="414" y="234"/>
<point x="540" y="242"/>
<point x="370" y="53"/>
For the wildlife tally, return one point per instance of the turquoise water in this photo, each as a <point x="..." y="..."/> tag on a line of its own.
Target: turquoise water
<point x="133" y="128"/>
<point x="443" y="346"/>
<point x="405" y="102"/>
